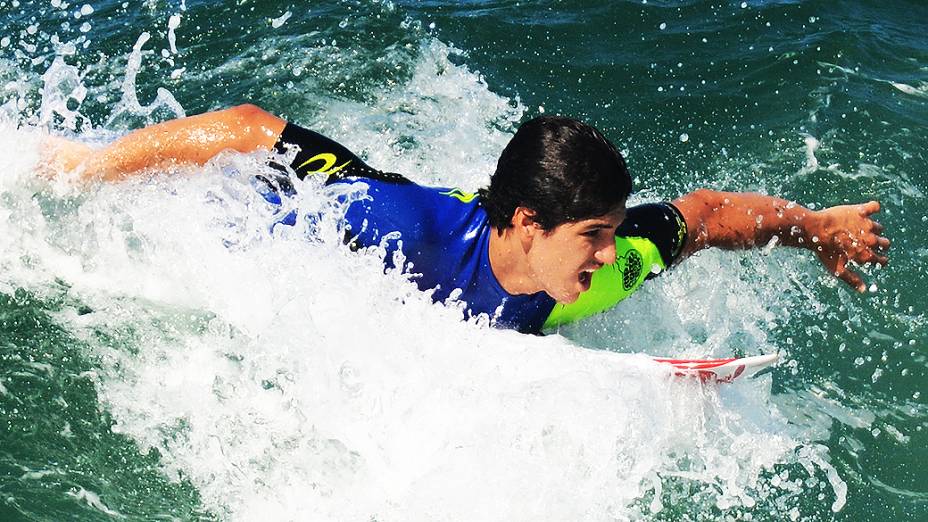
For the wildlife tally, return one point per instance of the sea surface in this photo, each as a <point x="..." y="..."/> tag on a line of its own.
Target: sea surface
<point x="164" y="357"/>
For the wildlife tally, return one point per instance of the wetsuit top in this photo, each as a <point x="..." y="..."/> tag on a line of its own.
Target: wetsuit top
<point x="444" y="234"/>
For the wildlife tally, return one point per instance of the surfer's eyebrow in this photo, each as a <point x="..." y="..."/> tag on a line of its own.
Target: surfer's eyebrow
<point x="594" y="226"/>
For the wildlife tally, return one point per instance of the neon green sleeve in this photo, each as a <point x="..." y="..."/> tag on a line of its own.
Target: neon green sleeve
<point x="636" y="257"/>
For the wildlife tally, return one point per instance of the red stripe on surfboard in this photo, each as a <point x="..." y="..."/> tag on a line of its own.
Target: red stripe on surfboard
<point x="696" y="364"/>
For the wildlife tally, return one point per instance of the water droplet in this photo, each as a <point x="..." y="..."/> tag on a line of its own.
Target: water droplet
<point x="86" y="10"/>
<point x="684" y="137"/>
<point x="662" y="26"/>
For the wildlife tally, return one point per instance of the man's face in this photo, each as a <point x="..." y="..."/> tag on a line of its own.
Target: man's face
<point x="562" y="260"/>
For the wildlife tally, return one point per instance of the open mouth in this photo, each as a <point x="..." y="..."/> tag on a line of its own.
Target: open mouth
<point x="585" y="278"/>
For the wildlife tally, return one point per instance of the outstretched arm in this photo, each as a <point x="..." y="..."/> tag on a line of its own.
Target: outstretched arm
<point x="196" y="139"/>
<point x="734" y="220"/>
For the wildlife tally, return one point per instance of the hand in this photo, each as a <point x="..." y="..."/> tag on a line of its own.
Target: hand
<point x="60" y="155"/>
<point x="848" y="233"/>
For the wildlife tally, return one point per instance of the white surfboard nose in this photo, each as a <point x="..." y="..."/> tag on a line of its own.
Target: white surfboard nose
<point x="720" y="370"/>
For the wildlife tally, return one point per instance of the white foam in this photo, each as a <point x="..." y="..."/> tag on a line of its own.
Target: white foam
<point x="173" y="23"/>
<point x="921" y="90"/>
<point x="278" y="22"/>
<point x="93" y="500"/>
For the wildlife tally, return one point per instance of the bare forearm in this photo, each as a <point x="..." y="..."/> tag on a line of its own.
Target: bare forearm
<point x="738" y="220"/>
<point x="838" y="235"/>
<point x="192" y="140"/>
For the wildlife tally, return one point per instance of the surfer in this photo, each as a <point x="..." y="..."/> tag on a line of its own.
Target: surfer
<point x="550" y="240"/>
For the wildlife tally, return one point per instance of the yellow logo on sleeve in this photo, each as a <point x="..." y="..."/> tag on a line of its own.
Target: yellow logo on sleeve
<point x="464" y="197"/>
<point x="328" y="161"/>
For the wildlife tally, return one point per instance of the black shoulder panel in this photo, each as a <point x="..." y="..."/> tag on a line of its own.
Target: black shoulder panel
<point x="661" y="223"/>
<point x="317" y="154"/>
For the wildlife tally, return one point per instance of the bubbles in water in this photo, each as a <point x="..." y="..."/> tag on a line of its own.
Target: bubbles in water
<point x="684" y="137"/>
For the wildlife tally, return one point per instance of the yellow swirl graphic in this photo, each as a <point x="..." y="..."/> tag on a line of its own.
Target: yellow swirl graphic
<point x="328" y="161"/>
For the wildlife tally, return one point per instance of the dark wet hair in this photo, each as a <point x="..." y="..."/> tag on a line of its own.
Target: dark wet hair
<point x="562" y="169"/>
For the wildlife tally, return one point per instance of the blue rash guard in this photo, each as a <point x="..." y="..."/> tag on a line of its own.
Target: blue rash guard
<point x="445" y="235"/>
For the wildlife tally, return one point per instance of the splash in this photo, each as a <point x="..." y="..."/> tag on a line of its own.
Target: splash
<point x="129" y="106"/>
<point x="288" y="378"/>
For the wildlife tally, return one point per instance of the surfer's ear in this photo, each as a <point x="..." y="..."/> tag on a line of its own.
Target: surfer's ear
<point x="523" y="220"/>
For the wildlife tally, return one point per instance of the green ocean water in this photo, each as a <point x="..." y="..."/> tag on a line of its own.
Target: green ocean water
<point x="821" y="102"/>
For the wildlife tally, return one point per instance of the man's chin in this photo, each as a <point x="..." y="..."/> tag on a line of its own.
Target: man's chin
<point x="566" y="298"/>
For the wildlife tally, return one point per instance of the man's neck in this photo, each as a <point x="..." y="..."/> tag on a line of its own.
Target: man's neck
<point x="508" y="261"/>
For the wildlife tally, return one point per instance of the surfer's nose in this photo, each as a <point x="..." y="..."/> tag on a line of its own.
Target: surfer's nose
<point x="606" y="254"/>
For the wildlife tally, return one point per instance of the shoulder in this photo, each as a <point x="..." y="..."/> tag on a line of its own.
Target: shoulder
<point x="660" y="223"/>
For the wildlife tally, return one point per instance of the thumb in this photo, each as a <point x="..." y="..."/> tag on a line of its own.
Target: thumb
<point x="870" y="207"/>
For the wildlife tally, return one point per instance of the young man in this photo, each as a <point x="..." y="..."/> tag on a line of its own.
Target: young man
<point x="549" y="241"/>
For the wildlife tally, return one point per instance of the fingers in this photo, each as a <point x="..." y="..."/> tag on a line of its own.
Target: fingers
<point x="877" y="242"/>
<point x="870" y="256"/>
<point x="849" y="276"/>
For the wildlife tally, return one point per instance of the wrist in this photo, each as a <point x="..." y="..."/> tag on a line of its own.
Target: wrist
<point x="812" y="229"/>
<point x="801" y="227"/>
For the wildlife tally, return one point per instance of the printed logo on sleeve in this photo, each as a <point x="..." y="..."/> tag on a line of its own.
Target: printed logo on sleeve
<point x="630" y="266"/>
<point x="328" y="164"/>
<point x="464" y="197"/>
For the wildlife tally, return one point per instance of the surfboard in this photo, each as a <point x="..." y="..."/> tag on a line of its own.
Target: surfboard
<point x="719" y="370"/>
